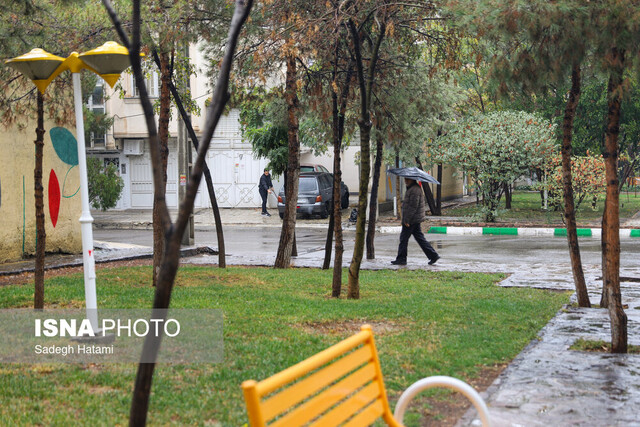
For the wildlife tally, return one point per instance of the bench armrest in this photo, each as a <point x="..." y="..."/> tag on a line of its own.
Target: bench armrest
<point x="442" y="381"/>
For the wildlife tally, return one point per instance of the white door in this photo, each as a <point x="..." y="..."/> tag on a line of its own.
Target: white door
<point x="142" y="179"/>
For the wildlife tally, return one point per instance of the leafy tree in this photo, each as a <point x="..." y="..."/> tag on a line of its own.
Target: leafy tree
<point x="105" y="186"/>
<point x="372" y="26"/>
<point x="263" y="121"/>
<point x="536" y="56"/>
<point x="496" y="149"/>
<point x="587" y="173"/>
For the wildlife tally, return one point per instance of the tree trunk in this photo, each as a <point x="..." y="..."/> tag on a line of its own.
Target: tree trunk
<point x="439" y="191"/>
<point x="398" y="192"/>
<point x="364" y="123"/>
<point x="507" y="196"/>
<point x="283" y="258"/>
<point x="174" y="232"/>
<point x="41" y="236"/>
<point x="358" y="249"/>
<point x="604" y="240"/>
<point x="569" y="209"/>
<point x="163" y="135"/>
<point x="611" y="250"/>
<point x="336" y="285"/>
<point x="328" y="246"/>
<point x="373" y="202"/>
<point x="337" y="131"/>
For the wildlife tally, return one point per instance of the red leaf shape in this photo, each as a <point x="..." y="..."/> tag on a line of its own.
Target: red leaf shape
<point x="54" y="197"/>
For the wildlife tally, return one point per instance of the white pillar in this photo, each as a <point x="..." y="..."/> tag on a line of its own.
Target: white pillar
<point x="86" y="220"/>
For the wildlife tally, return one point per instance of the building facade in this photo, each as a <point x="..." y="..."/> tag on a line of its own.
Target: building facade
<point x="234" y="168"/>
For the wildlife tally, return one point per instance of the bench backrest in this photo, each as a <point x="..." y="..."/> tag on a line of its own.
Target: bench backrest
<point x="342" y="384"/>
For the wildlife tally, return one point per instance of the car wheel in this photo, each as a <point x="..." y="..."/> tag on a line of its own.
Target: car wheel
<point x="325" y="212"/>
<point x="345" y="201"/>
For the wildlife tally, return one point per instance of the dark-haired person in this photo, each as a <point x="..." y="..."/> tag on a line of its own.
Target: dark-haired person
<point x="265" y="187"/>
<point x="413" y="208"/>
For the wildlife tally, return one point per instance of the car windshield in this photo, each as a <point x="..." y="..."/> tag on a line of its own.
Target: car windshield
<point x="307" y="185"/>
<point x="306" y="168"/>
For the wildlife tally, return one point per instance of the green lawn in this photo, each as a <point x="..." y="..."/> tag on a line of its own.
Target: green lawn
<point x="526" y="207"/>
<point x="434" y="323"/>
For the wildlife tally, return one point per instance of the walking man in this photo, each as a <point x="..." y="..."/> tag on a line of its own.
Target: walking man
<point x="413" y="208"/>
<point x="265" y="187"/>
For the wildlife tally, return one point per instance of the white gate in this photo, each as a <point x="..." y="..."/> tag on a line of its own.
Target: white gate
<point x="235" y="174"/>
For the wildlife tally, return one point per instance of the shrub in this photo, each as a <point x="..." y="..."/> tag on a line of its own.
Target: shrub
<point x="105" y="186"/>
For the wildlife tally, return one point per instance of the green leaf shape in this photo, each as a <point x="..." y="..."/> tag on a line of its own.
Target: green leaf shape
<point x="65" y="145"/>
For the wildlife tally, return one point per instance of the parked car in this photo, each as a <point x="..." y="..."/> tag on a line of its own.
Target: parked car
<point x="344" y="190"/>
<point x="315" y="195"/>
<point x="308" y="167"/>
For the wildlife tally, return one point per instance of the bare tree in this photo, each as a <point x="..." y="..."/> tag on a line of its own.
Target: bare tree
<point x="173" y="231"/>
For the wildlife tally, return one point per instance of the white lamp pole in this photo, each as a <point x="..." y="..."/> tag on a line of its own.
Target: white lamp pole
<point x="86" y="220"/>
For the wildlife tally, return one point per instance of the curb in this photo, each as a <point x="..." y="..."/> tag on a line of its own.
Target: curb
<point x="513" y="231"/>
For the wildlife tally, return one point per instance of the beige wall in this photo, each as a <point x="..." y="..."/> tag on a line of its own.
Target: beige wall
<point x="452" y="184"/>
<point x="17" y="204"/>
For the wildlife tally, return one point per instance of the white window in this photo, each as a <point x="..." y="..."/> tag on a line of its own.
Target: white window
<point x="151" y="82"/>
<point x="95" y="104"/>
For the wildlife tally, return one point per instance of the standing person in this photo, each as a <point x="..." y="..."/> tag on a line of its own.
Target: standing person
<point x="413" y="208"/>
<point x="265" y="187"/>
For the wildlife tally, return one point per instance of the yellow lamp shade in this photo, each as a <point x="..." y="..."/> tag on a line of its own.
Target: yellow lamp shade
<point x="109" y="60"/>
<point x="38" y="65"/>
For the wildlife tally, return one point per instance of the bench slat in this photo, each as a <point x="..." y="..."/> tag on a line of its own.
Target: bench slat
<point x="329" y="397"/>
<point x="352" y="405"/>
<point x="367" y="416"/>
<point x="290" y="396"/>
<point x="314" y="362"/>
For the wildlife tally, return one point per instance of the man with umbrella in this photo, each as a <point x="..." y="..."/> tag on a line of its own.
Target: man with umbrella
<point x="413" y="214"/>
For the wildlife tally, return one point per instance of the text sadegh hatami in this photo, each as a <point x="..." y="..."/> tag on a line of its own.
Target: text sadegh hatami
<point x="74" y="349"/>
<point x="118" y="327"/>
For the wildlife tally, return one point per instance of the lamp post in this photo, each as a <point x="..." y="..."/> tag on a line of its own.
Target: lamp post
<point x="107" y="61"/>
<point x="39" y="66"/>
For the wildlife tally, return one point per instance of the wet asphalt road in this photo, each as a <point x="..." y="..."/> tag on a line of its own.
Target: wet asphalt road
<point x="480" y="253"/>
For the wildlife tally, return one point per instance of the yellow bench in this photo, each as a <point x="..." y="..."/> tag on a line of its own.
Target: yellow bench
<point x="341" y="385"/>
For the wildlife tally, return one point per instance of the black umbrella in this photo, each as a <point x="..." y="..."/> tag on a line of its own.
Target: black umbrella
<point x="413" y="173"/>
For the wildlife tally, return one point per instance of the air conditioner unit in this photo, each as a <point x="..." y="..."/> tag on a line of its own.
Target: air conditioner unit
<point x="133" y="147"/>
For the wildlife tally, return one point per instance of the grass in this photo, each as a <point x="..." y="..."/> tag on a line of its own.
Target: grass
<point x="433" y="323"/>
<point x="526" y="207"/>
<point x="600" y="346"/>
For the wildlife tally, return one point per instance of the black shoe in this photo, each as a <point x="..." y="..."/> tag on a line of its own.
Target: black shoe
<point x="398" y="262"/>
<point x="268" y="214"/>
<point x="433" y="261"/>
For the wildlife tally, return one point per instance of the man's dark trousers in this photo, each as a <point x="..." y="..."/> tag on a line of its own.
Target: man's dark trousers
<point x="415" y="231"/>
<point x="263" y="194"/>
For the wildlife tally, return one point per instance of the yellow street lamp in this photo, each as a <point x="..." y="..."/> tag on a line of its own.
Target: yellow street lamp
<point x="38" y="65"/>
<point x="108" y="61"/>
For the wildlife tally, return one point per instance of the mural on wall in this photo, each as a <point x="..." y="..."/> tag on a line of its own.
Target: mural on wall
<point x="54" y="197"/>
<point x="66" y="147"/>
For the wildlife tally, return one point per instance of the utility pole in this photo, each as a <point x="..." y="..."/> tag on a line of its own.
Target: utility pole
<point x="184" y="165"/>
